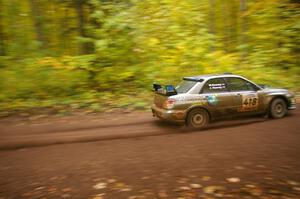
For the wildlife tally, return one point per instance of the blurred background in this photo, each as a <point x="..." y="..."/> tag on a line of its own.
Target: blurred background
<point x="105" y="54"/>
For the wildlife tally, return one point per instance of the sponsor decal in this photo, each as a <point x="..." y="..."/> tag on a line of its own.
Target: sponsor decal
<point x="212" y="100"/>
<point x="196" y="100"/>
<point x="216" y="86"/>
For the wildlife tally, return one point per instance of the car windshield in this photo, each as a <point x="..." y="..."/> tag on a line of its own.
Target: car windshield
<point x="185" y="86"/>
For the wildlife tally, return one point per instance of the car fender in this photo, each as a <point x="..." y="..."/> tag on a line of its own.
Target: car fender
<point x="271" y="96"/>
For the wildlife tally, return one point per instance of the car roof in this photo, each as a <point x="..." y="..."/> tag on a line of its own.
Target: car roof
<point x="209" y="76"/>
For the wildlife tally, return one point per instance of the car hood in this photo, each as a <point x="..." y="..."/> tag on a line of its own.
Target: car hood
<point x="275" y="90"/>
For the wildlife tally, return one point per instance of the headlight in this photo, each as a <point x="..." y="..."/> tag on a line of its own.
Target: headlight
<point x="293" y="101"/>
<point x="290" y="95"/>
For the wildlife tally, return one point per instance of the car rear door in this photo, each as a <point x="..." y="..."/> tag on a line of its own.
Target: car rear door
<point x="219" y="99"/>
<point x="246" y="99"/>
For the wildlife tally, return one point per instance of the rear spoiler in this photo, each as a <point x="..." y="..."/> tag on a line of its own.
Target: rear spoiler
<point x="167" y="90"/>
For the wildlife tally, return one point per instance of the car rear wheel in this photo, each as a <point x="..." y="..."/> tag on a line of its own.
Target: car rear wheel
<point x="278" y="108"/>
<point x="198" y="118"/>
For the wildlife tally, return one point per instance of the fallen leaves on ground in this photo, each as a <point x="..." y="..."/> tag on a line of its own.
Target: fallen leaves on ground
<point x="162" y="194"/>
<point x="189" y="188"/>
<point x="185" y="188"/>
<point x="239" y="167"/>
<point x="205" y="178"/>
<point x="98" y="196"/>
<point x="125" y="189"/>
<point x="213" y="189"/>
<point x="182" y="180"/>
<point x="66" y="195"/>
<point x="195" y="186"/>
<point x="39" y="188"/>
<point x="296" y="188"/>
<point x="294" y="183"/>
<point x="233" y="180"/>
<point x="111" y="180"/>
<point x="68" y="189"/>
<point x="101" y="185"/>
<point x="252" y="190"/>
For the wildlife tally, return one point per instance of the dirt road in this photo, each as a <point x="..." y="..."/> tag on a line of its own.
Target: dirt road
<point x="88" y="157"/>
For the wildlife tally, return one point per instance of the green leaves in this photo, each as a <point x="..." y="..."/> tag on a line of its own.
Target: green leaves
<point x="123" y="46"/>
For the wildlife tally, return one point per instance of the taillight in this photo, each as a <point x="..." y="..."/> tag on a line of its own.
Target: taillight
<point x="169" y="103"/>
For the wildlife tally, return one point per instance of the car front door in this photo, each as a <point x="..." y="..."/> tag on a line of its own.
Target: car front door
<point x="245" y="96"/>
<point x="219" y="99"/>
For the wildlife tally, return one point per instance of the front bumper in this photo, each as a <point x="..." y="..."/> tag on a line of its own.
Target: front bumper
<point x="292" y="104"/>
<point x="170" y="115"/>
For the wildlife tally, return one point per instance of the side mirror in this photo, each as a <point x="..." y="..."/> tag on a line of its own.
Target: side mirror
<point x="263" y="85"/>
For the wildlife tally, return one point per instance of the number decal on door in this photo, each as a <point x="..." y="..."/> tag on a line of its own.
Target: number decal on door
<point x="249" y="102"/>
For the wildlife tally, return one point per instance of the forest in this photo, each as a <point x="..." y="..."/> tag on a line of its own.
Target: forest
<point x="105" y="54"/>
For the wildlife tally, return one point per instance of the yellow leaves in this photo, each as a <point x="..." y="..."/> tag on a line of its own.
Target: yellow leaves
<point x="50" y="61"/>
<point x="153" y="41"/>
<point x="64" y="62"/>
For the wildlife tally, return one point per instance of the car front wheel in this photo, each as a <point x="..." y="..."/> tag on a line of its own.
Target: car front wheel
<point x="198" y="118"/>
<point x="278" y="108"/>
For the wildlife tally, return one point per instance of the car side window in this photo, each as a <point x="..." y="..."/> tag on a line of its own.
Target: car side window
<point x="238" y="84"/>
<point x="216" y="85"/>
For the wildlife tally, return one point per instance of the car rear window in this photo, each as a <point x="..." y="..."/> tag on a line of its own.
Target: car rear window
<point x="185" y="86"/>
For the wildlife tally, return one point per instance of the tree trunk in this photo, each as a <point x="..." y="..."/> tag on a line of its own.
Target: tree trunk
<point x="84" y="49"/>
<point x="36" y="14"/>
<point x="243" y="30"/>
<point x="211" y="21"/>
<point x="233" y="7"/>
<point x="64" y="33"/>
<point x="2" y="44"/>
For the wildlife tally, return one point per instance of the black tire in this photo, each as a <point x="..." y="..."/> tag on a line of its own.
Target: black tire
<point x="278" y="108"/>
<point x="197" y="118"/>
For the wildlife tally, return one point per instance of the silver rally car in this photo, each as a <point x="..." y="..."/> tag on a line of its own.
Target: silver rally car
<point x="198" y="100"/>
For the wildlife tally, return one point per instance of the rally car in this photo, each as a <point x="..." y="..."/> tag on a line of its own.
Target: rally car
<point x="199" y="100"/>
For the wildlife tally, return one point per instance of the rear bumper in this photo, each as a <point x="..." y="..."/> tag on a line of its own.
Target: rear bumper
<point x="169" y="115"/>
